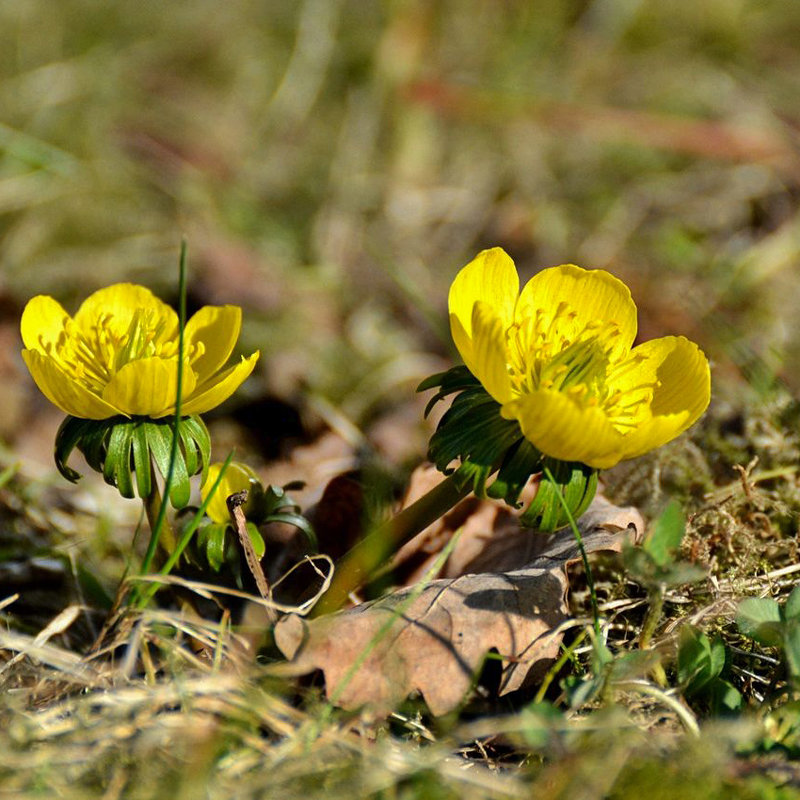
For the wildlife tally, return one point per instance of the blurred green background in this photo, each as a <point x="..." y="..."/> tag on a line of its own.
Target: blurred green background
<point x="334" y="162"/>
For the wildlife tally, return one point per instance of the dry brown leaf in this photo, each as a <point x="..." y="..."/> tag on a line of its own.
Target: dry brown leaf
<point x="314" y="465"/>
<point x="434" y="638"/>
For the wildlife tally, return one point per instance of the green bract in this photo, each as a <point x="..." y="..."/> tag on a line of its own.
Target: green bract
<point x="124" y="450"/>
<point x="473" y="432"/>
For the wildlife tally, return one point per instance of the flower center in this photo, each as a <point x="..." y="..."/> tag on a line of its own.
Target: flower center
<point x="552" y="352"/>
<point x="94" y="353"/>
<point x="143" y="339"/>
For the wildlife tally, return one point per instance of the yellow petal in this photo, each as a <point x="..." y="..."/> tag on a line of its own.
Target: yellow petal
<point x="65" y="392"/>
<point x="119" y="303"/>
<point x="561" y="428"/>
<point x="488" y="354"/>
<point x="592" y="296"/>
<point x="148" y="387"/>
<point x="237" y="478"/>
<point x="217" y="327"/>
<point x="680" y="372"/>
<point x="221" y="387"/>
<point x="684" y="378"/>
<point x="490" y="278"/>
<point x="42" y="322"/>
<point x="655" y="432"/>
<point x="463" y="342"/>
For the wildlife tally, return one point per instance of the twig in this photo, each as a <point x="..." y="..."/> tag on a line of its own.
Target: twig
<point x="235" y="503"/>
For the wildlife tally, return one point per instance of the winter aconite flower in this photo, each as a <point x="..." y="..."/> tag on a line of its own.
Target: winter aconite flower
<point x="553" y="389"/>
<point x="559" y="360"/>
<point x="119" y="355"/>
<point x="263" y="505"/>
<point x="238" y="477"/>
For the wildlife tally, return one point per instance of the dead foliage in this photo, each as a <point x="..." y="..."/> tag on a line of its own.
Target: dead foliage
<point x="433" y="636"/>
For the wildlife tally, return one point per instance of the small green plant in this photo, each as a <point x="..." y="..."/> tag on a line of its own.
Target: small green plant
<point x="133" y="376"/>
<point x="702" y="662"/>
<point x="552" y="390"/>
<point x="655" y="566"/>
<point x="217" y="538"/>
<point x="772" y="625"/>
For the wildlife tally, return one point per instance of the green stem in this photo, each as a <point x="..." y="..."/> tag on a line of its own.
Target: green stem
<point x="160" y="522"/>
<point x="146" y="593"/>
<point x="160" y="529"/>
<point x="361" y="561"/>
<point x="655" y="605"/>
<point x="567" y="654"/>
<point x="579" y="539"/>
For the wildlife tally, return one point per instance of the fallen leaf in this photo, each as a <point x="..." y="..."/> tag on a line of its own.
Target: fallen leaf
<point x="338" y="517"/>
<point x="314" y="465"/>
<point x="433" y="637"/>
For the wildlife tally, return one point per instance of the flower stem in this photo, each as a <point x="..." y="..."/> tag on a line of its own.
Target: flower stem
<point x="160" y="532"/>
<point x="360" y="562"/>
<point x="655" y="605"/>
<point x="145" y="594"/>
<point x="155" y="507"/>
<point x="160" y="529"/>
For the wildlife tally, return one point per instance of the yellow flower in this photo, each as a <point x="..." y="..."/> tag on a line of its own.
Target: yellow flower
<point x="558" y="358"/>
<point x="238" y="477"/>
<point x="119" y="354"/>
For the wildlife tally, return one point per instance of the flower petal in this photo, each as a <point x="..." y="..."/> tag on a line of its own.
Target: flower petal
<point x="592" y="296"/>
<point x="462" y="340"/>
<point x="42" y="322"/>
<point x="217" y="327"/>
<point x="64" y="392"/>
<point x="119" y="303"/>
<point x="221" y="387"/>
<point x="488" y="353"/>
<point x="561" y="428"/>
<point x="148" y="387"/>
<point x="684" y="378"/>
<point x="680" y="372"/>
<point x="237" y="478"/>
<point x="490" y="277"/>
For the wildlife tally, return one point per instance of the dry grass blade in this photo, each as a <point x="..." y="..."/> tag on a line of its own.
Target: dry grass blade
<point x="7" y="601"/>
<point x="235" y="503"/>
<point x="210" y="590"/>
<point x="37" y="649"/>
<point x="67" y="663"/>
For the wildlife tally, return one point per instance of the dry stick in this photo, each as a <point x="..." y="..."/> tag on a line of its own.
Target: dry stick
<point x="235" y="503"/>
<point x="359" y="563"/>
